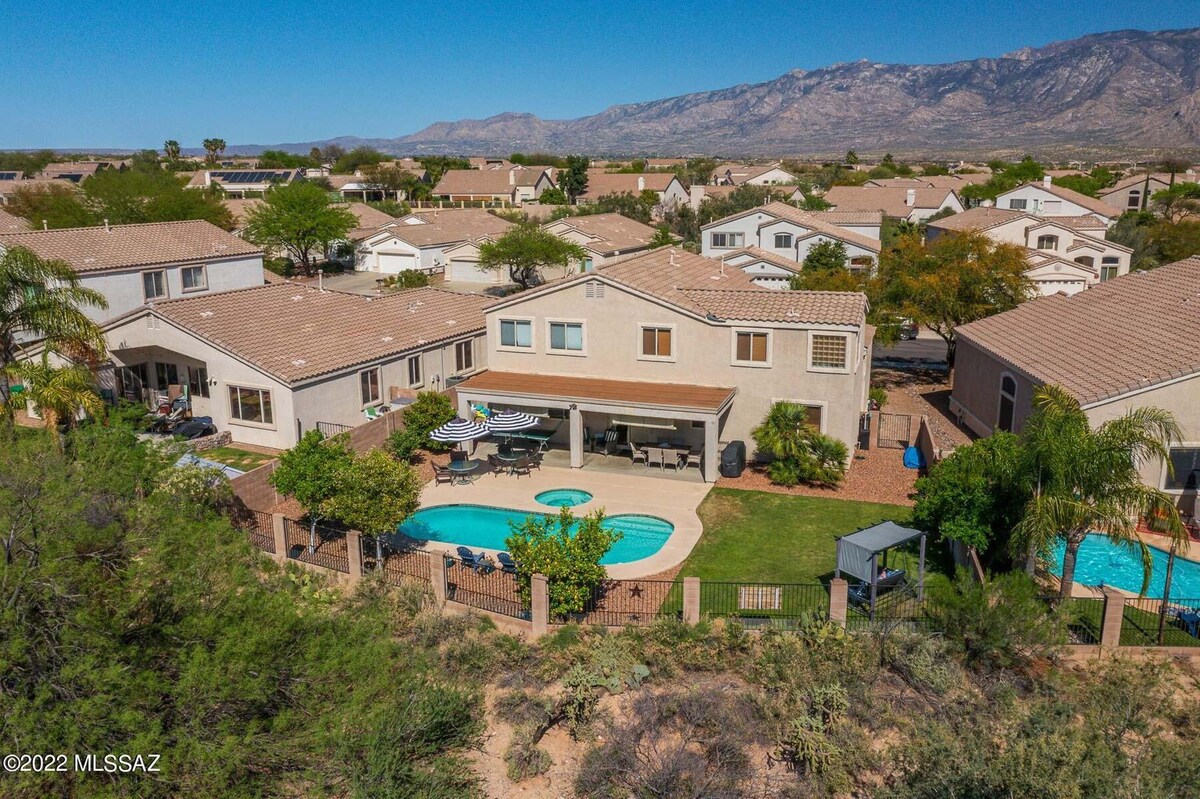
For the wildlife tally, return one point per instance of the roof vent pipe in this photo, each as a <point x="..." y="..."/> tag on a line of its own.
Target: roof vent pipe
<point x="107" y="229"/>
<point x="321" y="280"/>
<point x="45" y="225"/>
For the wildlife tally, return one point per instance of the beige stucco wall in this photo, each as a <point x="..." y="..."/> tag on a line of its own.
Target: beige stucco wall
<point x="703" y="355"/>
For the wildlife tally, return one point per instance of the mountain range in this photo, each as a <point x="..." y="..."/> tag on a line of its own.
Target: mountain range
<point x="1123" y="91"/>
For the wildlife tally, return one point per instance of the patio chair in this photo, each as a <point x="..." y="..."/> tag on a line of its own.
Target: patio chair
<point x="695" y="457"/>
<point x="637" y="454"/>
<point x="496" y="465"/>
<point x="472" y="560"/>
<point x="521" y="466"/>
<point x="507" y="564"/>
<point x="441" y="474"/>
<point x="610" y="438"/>
<point x="458" y="456"/>
<point x="671" y="458"/>
<point x="371" y="413"/>
<point x="654" y="457"/>
<point x="535" y="460"/>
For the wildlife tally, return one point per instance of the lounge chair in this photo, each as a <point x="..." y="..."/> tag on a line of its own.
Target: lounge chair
<point x="442" y="475"/>
<point x="861" y="594"/>
<point x="371" y="413"/>
<point x="507" y="564"/>
<point x="477" y="561"/>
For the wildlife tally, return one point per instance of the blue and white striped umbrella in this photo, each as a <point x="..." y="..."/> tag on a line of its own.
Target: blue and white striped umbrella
<point x="511" y="421"/>
<point x="459" y="430"/>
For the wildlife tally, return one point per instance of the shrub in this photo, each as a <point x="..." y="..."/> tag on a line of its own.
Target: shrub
<point x="408" y="279"/>
<point x="428" y="412"/>
<point x="567" y="551"/>
<point x="799" y="451"/>
<point x="280" y="266"/>
<point x="925" y="663"/>
<point x="525" y="758"/>
<point x="879" y="396"/>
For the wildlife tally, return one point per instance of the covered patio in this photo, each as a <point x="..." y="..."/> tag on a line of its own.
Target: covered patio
<point x="601" y="424"/>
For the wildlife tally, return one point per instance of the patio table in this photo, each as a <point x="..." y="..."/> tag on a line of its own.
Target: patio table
<point x="510" y="458"/>
<point x="462" y="471"/>
<point x="671" y="450"/>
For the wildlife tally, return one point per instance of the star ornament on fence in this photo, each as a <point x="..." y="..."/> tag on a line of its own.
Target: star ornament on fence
<point x="636" y="592"/>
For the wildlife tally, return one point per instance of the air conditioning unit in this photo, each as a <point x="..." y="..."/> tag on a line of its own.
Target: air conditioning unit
<point x="454" y="380"/>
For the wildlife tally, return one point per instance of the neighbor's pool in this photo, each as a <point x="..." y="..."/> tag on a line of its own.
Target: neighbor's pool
<point x="564" y="497"/>
<point x="1102" y="561"/>
<point x="486" y="527"/>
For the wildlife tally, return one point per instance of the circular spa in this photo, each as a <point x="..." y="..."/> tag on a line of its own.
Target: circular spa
<point x="563" y="497"/>
<point x="486" y="527"/>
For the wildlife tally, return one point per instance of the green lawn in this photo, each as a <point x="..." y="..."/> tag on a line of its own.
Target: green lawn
<point x="237" y="458"/>
<point x="756" y="536"/>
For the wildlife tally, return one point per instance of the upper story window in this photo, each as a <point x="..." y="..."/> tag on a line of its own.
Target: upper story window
<point x="1185" y="469"/>
<point x="1135" y="199"/>
<point x="414" y="371"/>
<point x="1018" y="205"/>
<point x="783" y="241"/>
<point x="727" y="240"/>
<point x="193" y="278"/>
<point x="1047" y="242"/>
<point x="516" y="333"/>
<point x="1008" y="403"/>
<point x="251" y="405"/>
<point x="1110" y="265"/>
<point x="566" y="337"/>
<point x="827" y="352"/>
<point x="751" y="347"/>
<point x="154" y="284"/>
<point x="464" y="356"/>
<point x="368" y="382"/>
<point x="658" y="343"/>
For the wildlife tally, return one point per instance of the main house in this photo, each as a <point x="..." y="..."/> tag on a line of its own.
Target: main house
<point x="787" y="232"/>
<point x="1127" y="343"/>
<point x="270" y="362"/>
<point x="667" y="345"/>
<point x="420" y="241"/>
<point x="1065" y="253"/>
<point x="1046" y="199"/>
<point x="915" y="204"/>
<point x="136" y="265"/>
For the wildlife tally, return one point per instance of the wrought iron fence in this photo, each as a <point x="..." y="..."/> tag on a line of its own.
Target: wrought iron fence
<point x="487" y="589"/>
<point x="331" y="429"/>
<point x="1153" y="622"/>
<point x="1084" y="617"/>
<point x="779" y="605"/>
<point x="259" y="528"/>
<point x="400" y="563"/>
<point x="623" y="603"/>
<point x="897" y="609"/>
<point x="330" y="545"/>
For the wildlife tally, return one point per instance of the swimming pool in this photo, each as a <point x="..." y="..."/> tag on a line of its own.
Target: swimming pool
<point x="563" y="497"/>
<point x="486" y="527"/>
<point x="1102" y="561"/>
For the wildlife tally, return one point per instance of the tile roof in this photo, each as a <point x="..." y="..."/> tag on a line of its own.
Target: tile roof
<point x="816" y="221"/>
<point x="1085" y="222"/>
<point x="929" y="181"/>
<point x="297" y="332"/>
<point x="613" y="231"/>
<point x="448" y="226"/>
<point x="1140" y="178"/>
<point x="758" y="253"/>
<point x="848" y="217"/>
<point x="8" y="187"/>
<point x="978" y="218"/>
<point x="1152" y="314"/>
<point x="890" y="200"/>
<point x="783" y="307"/>
<point x="627" y="392"/>
<point x="486" y="181"/>
<point x="1070" y="195"/>
<point x="10" y="223"/>
<point x="94" y="249"/>
<point x="601" y="183"/>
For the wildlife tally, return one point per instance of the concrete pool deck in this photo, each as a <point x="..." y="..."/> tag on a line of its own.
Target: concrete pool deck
<point x="673" y="500"/>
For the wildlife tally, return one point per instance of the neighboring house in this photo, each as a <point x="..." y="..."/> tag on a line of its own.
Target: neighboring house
<point x="764" y="268"/>
<point x="1128" y="343"/>
<point x="77" y="171"/>
<point x="603" y="236"/>
<point x="419" y="241"/>
<point x="698" y="193"/>
<point x="956" y="182"/>
<point x="747" y="174"/>
<point x="914" y="204"/>
<point x="668" y="345"/>
<point x="136" y="265"/>
<point x="240" y="182"/>
<point x="270" y="362"/>
<point x="664" y="163"/>
<point x="1132" y="193"/>
<point x="789" y="233"/>
<point x="671" y="192"/>
<point x="1065" y="254"/>
<point x="12" y="224"/>
<point x="1046" y="199"/>
<point x="514" y="185"/>
<point x="11" y="174"/>
<point x="9" y="188"/>
<point x="485" y="162"/>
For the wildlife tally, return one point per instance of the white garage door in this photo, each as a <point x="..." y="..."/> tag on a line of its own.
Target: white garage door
<point x="469" y="272"/>
<point x="394" y="263"/>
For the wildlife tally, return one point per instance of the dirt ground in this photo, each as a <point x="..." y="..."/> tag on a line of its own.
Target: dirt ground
<point x="920" y="391"/>
<point x="877" y="475"/>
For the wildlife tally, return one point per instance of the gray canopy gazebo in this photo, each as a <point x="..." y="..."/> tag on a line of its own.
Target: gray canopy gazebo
<point x="858" y="554"/>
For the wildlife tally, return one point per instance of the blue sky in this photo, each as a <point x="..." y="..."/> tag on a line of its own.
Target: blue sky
<point x="127" y="74"/>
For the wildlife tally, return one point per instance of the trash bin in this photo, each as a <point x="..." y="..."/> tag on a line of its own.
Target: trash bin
<point x="733" y="459"/>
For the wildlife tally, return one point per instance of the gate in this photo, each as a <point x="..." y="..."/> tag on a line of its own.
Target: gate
<point x="895" y="430"/>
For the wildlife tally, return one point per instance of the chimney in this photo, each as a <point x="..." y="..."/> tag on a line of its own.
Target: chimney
<point x="641" y="183"/>
<point x="1046" y="181"/>
<point x="910" y="197"/>
<point x="695" y="195"/>
<point x="512" y="177"/>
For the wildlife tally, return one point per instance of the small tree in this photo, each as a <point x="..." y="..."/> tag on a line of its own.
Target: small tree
<point x="662" y="237"/>
<point x="58" y="393"/>
<point x="800" y="452"/>
<point x="567" y="551"/>
<point x="307" y="472"/>
<point x="300" y="218"/>
<point x="525" y="250"/>
<point x="374" y="493"/>
<point x="553" y="196"/>
<point x="826" y="255"/>
<point x="573" y="180"/>
<point x="429" y="411"/>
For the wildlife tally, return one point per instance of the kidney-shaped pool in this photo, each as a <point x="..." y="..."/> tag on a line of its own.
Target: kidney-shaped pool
<point x="486" y="527"/>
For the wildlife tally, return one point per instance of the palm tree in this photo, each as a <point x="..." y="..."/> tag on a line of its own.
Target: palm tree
<point x="171" y="150"/>
<point x="1083" y="479"/>
<point x="212" y="148"/>
<point x="58" y="393"/>
<point x="44" y="299"/>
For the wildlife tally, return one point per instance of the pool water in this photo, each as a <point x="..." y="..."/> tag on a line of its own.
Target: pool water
<point x="486" y="527"/>
<point x="1102" y="561"/>
<point x="563" y="497"/>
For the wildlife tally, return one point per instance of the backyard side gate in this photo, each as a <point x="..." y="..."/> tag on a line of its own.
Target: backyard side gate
<point x="895" y="430"/>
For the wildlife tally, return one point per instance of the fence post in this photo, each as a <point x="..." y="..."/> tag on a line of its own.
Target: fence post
<point x="838" y="599"/>
<point x="281" y="544"/>
<point x="539" y="606"/>
<point x="691" y="600"/>
<point x="1114" y="615"/>
<point x="354" y="555"/>
<point x="437" y="576"/>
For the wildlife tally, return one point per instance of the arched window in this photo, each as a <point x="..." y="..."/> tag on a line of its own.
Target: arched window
<point x="1008" y="403"/>
<point x="1047" y="242"/>
<point x="1086" y="260"/>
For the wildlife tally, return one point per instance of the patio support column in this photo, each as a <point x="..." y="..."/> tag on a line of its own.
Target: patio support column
<point x="281" y="546"/>
<point x="691" y="600"/>
<point x="711" y="455"/>
<point x="539" y="605"/>
<point x="1114" y="614"/>
<point x="354" y="555"/>
<point x="838" y="600"/>
<point x="576" y="432"/>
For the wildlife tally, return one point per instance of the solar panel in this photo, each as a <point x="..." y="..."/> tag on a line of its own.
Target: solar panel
<point x="251" y="177"/>
<point x="8" y="175"/>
